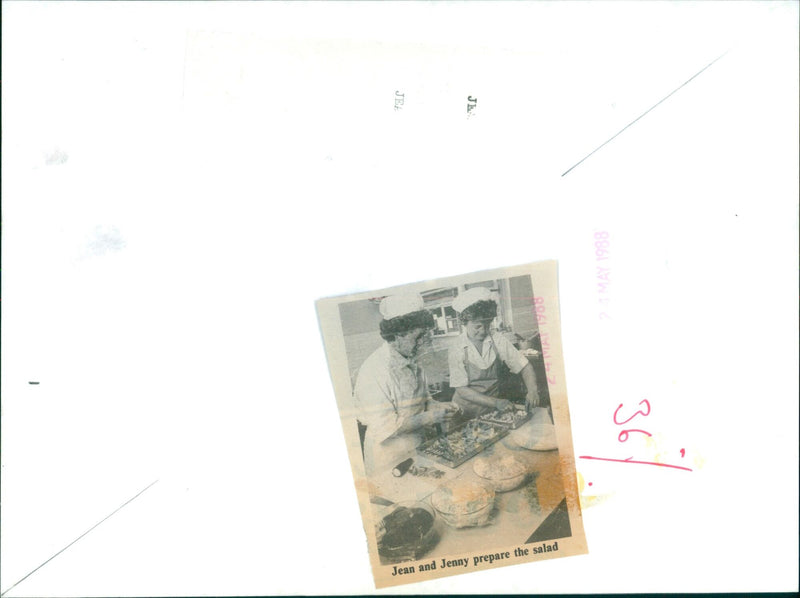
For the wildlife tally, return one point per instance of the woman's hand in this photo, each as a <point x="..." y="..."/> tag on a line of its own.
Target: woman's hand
<point x="443" y="412"/>
<point x="503" y="404"/>
<point x="532" y="400"/>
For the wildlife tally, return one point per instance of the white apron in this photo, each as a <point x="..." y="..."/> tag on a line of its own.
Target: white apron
<point x="410" y="398"/>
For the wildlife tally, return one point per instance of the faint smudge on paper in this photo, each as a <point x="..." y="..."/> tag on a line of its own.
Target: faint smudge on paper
<point x="103" y="240"/>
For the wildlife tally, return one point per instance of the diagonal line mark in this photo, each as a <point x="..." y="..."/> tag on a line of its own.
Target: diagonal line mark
<point x="79" y="537"/>
<point x="646" y="112"/>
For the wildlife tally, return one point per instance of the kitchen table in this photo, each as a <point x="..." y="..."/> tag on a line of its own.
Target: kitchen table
<point x="517" y="514"/>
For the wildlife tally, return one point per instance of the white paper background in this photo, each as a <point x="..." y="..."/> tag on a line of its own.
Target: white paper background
<point x="182" y="181"/>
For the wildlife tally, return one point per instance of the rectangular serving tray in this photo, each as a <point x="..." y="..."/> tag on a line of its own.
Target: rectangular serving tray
<point x="478" y="447"/>
<point x="489" y="418"/>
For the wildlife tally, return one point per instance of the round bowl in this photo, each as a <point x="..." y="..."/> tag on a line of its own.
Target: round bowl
<point x="534" y="437"/>
<point x="463" y="503"/>
<point x="502" y="473"/>
<point x="407" y="532"/>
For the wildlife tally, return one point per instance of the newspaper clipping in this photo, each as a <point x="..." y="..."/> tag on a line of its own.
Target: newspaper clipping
<point x="453" y="403"/>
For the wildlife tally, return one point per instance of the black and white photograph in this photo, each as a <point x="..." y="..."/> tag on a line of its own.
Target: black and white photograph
<point x="460" y="448"/>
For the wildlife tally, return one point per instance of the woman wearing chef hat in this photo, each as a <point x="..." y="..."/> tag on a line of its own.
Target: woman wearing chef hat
<point x="391" y="392"/>
<point x="476" y="359"/>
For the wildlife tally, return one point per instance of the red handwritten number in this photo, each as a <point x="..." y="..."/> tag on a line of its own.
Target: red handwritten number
<point x="625" y="433"/>
<point x="642" y="413"/>
<point x="623" y="436"/>
<point x="629" y="460"/>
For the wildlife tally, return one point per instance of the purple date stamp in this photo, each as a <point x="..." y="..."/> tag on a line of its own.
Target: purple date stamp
<point x="602" y="246"/>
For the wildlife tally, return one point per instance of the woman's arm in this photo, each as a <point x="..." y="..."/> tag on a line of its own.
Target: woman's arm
<point x="473" y="396"/>
<point x="438" y="413"/>
<point x="519" y="364"/>
<point x="532" y="394"/>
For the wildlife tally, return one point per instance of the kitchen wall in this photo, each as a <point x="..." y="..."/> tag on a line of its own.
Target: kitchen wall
<point x="360" y="325"/>
<point x="523" y="314"/>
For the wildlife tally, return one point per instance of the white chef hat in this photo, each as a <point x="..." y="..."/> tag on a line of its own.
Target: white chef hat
<point x="400" y="305"/>
<point x="472" y="296"/>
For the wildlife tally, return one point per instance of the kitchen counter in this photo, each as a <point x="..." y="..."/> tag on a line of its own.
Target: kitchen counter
<point x="517" y="514"/>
